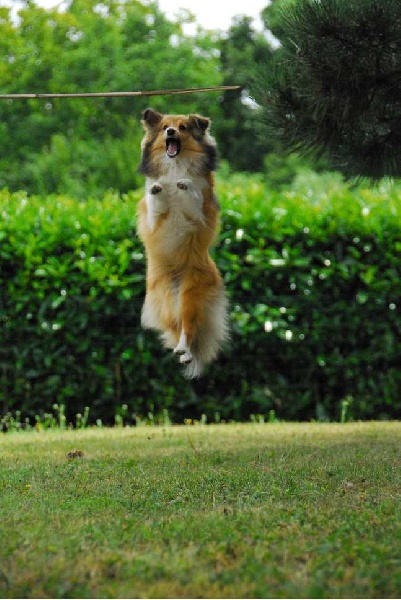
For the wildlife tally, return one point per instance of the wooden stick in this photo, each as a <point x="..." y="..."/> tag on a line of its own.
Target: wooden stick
<point x="119" y="94"/>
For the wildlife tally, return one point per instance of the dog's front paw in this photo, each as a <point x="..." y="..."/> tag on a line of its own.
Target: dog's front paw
<point x="156" y="189"/>
<point x="184" y="184"/>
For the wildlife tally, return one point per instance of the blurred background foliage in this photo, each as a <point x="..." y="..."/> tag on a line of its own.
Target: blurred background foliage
<point x="310" y="262"/>
<point x="84" y="146"/>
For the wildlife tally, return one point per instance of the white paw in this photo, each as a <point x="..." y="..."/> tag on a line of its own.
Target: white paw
<point x="182" y="346"/>
<point x="184" y="184"/>
<point x="179" y="349"/>
<point x="156" y="189"/>
<point x="186" y="358"/>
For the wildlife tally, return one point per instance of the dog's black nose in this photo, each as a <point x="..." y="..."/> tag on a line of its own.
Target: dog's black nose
<point x="170" y="131"/>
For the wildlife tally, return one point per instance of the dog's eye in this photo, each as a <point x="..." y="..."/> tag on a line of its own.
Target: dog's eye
<point x="182" y="128"/>
<point x="165" y="127"/>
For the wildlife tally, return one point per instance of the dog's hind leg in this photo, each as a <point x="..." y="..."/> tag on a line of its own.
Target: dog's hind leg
<point x="182" y="348"/>
<point x="194" y="293"/>
<point x="156" y="203"/>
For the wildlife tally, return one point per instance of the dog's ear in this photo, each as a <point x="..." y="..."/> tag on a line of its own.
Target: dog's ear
<point x="200" y="123"/>
<point x="151" y="118"/>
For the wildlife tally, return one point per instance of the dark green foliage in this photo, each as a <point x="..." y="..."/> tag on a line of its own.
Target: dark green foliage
<point x="72" y="281"/>
<point x="313" y="277"/>
<point x="336" y="85"/>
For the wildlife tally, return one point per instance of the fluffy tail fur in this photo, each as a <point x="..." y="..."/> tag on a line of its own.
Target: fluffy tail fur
<point x="209" y="339"/>
<point x="211" y="334"/>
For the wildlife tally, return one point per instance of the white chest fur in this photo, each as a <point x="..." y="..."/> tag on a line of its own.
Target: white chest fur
<point x="177" y="194"/>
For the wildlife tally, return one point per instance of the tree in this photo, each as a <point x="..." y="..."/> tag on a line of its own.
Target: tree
<point x="238" y="131"/>
<point x="86" y="146"/>
<point x="335" y="88"/>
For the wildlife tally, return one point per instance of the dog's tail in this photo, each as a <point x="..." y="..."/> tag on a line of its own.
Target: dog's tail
<point x="210" y="337"/>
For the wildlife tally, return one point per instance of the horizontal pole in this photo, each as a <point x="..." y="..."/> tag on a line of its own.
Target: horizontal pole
<point x="221" y="88"/>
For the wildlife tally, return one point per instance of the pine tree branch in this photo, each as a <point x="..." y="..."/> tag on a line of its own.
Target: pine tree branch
<point x="336" y="85"/>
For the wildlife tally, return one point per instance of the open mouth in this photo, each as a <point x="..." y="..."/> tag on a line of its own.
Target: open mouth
<point x="173" y="147"/>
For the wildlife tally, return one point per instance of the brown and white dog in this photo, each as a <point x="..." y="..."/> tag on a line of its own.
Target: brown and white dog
<point x="178" y="220"/>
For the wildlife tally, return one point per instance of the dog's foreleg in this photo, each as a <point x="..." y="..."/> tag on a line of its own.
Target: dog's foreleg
<point x="191" y="200"/>
<point x="155" y="203"/>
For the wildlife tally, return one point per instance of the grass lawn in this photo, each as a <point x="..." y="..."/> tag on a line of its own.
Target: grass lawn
<point x="221" y="511"/>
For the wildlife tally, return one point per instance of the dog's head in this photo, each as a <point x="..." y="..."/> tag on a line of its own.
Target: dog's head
<point x="176" y="136"/>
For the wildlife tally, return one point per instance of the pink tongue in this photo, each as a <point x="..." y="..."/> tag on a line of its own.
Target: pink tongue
<point x="172" y="148"/>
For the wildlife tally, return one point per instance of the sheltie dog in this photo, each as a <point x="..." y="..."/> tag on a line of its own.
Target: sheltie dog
<point x="177" y="222"/>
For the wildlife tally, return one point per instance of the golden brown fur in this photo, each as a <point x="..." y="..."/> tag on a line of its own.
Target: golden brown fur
<point x="177" y="222"/>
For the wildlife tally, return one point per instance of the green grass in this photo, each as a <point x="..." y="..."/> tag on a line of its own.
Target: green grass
<point x="251" y="511"/>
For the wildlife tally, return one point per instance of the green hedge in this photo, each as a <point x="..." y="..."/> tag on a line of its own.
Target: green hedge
<point x="314" y="282"/>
